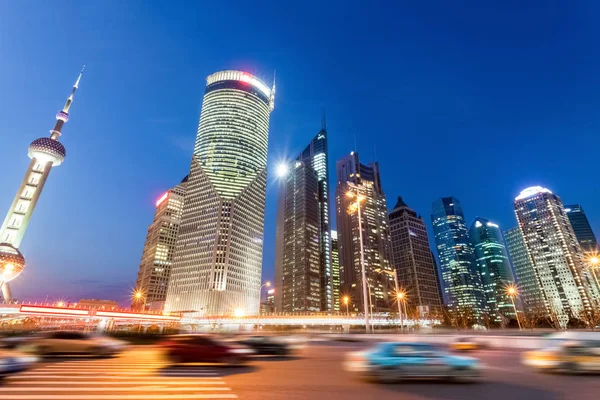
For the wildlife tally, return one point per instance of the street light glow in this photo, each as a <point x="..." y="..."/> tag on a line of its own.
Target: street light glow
<point x="512" y="290"/>
<point x="400" y="295"/>
<point x="346" y="299"/>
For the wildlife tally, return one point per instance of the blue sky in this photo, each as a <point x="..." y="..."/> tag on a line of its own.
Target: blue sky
<point x="476" y="101"/>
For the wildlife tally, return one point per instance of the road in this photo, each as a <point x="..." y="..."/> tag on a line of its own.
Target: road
<point x="315" y="373"/>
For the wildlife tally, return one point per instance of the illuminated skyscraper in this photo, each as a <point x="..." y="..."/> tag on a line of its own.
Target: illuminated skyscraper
<point x="556" y="256"/>
<point x="157" y="257"/>
<point x="315" y="155"/>
<point x="335" y="271"/>
<point x="45" y="153"/>
<point x="412" y="258"/>
<point x="352" y="175"/>
<point x="582" y="228"/>
<point x="300" y="286"/>
<point x="218" y="257"/>
<point x="462" y="281"/>
<point x="494" y="266"/>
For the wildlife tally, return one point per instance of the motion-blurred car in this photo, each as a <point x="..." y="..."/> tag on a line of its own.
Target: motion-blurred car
<point x="12" y="362"/>
<point x="72" y="343"/>
<point x="266" y="345"/>
<point x="389" y="362"/>
<point x="202" y="348"/>
<point x="567" y="357"/>
<point x="467" y="344"/>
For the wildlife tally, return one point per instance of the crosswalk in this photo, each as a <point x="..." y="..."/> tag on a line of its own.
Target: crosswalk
<point x="136" y="375"/>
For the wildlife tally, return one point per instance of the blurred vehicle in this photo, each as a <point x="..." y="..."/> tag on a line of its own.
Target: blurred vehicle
<point x="567" y="356"/>
<point x="266" y="345"/>
<point x="389" y="362"/>
<point x="467" y="344"/>
<point x="72" y="343"/>
<point x="12" y="362"/>
<point x="203" y="348"/>
<point x="12" y="342"/>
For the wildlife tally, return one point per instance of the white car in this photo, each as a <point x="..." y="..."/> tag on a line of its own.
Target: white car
<point x="73" y="343"/>
<point x="12" y="362"/>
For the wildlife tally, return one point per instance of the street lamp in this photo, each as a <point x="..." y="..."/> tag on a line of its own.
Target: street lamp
<point x="266" y="284"/>
<point x="399" y="294"/>
<point x="594" y="261"/>
<point x="356" y="206"/>
<point x="346" y="300"/>
<point x="512" y="291"/>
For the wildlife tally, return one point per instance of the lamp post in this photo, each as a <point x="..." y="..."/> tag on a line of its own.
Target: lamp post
<point x="399" y="294"/>
<point x="594" y="261"/>
<point x="366" y="299"/>
<point x="266" y="284"/>
<point x="346" y="300"/>
<point x="138" y="296"/>
<point x="512" y="291"/>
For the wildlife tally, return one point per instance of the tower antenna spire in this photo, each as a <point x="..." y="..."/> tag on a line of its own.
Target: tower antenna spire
<point x="63" y="116"/>
<point x="324" y="121"/>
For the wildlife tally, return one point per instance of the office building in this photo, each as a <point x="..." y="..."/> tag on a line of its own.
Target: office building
<point x="355" y="178"/>
<point x="300" y="284"/>
<point x="582" y="228"/>
<point x="494" y="266"/>
<point x="45" y="153"/>
<point x="461" y="278"/>
<point x="555" y="253"/>
<point x="335" y="271"/>
<point x="412" y="258"/>
<point x="218" y="256"/>
<point x="530" y="294"/>
<point x="315" y="156"/>
<point x="159" y="250"/>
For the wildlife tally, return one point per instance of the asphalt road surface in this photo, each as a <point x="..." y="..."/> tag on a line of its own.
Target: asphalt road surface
<point x="314" y="373"/>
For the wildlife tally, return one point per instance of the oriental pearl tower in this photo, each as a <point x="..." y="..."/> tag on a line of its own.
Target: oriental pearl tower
<point x="45" y="153"/>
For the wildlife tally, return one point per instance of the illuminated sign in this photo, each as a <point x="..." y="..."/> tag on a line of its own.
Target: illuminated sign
<point x="162" y="198"/>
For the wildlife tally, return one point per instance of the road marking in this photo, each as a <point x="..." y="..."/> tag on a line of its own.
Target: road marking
<point x="128" y="382"/>
<point x="104" y="377"/>
<point x="150" y="388"/>
<point x="140" y="396"/>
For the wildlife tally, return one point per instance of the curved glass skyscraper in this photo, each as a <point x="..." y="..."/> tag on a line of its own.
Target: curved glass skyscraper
<point x="218" y="256"/>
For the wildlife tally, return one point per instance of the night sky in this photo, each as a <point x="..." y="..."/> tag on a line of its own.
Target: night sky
<point x="471" y="100"/>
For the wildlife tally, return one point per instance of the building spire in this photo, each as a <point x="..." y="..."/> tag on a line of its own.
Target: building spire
<point x="63" y="116"/>
<point x="324" y="121"/>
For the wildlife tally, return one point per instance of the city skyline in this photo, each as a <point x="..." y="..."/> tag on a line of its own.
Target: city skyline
<point x="138" y="157"/>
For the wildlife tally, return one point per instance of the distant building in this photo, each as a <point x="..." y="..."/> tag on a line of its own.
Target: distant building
<point x="494" y="265"/>
<point x="301" y="266"/>
<point x="353" y="176"/>
<point x="530" y="294"/>
<point x="157" y="256"/>
<point x="270" y="303"/>
<point x="462" y="280"/>
<point x="582" y="228"/>
<point x="412" y="258"/>
<point x="557" y="258"/>
<point x="335" y="270"/>
<point x="98" y="304"/>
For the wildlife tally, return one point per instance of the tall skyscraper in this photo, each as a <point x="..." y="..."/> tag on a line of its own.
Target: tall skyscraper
<point x="300" y="284"/>
<point x="315" y="155"/>
<point x="45" y="153"/>
<point x="412" y="258"/>
<point x="557" y="258"/>
<point x="530" y="293"/>
<point x="352" y="176"/>
<point x="462" y="281"/>
<point x="582" y="228"/>
<point x="494" y="265"/>
<point x="159" y="249"/>
<point x="218" y="257"/>
<point x="335" y="271"/>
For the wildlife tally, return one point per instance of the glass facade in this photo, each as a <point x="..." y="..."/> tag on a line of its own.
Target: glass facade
<point x="494" y="266"/>
<point x="301" y="274"/>
<point x="582" y="228"/>
<point x="412" y="258"/>
<point x="218" y="256"/>
<point x="375" y="232"/>
<point x="462" y="280"/>
<point x="315" y="155"/>
<point x="557" y="258"/>
<point x="335" y="271"/>
<point x="159" y="249"/>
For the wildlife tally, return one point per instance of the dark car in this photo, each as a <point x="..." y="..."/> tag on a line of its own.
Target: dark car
<point x="265" y="345"/>
<point x="205" y="349"/>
